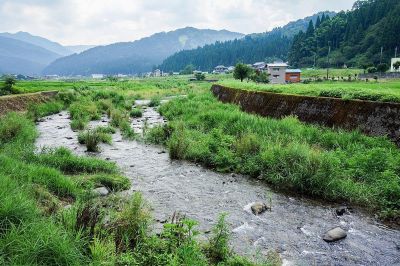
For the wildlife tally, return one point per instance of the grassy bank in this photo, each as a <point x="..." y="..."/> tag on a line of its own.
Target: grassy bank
<point x="323" y="163"/>
<point x="49" y="214"/>
<point x="385" y="91"/>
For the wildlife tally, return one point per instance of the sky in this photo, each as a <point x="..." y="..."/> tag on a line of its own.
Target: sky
<point x="95" y="22"/>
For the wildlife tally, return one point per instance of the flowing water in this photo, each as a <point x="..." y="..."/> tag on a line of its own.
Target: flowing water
<point x="293" y="228"/>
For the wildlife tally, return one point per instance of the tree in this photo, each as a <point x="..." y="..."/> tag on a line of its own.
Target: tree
<point x="372" y="70"/>
<point x="242" y="71"/>
<point x="9" y="82"/>
<point x="260" y="77"/>
<point x="382" y="67"/>
<point x="200" y="76"/>
<point x="396" y="65"/>
<point x="188" y="70"/>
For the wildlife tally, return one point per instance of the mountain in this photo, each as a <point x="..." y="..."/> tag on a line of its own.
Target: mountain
<point x="18" y="57"/>
<point x="267" y="46"/>
<point x="79" y="48"/>
<point x="138" y="56"/>
<point x="355" y="37"/>
<point x="38" y="41"/>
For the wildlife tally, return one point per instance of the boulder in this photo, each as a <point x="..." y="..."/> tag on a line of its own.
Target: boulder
<point x="335" y="234"/>
<point x="341" y="210"/>
<point x="101" y="191"/>
<point x="258" y="208"/>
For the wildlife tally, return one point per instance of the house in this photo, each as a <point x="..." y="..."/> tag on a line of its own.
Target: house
<point x="97" y="76"/>
<point x="157" y="73"/>
<point x="260" y="66"/>
<point x="277" y="72"/>
<point x="394" y="60"/>
<point x="220" y="69"/>
<point x="293" y="75"/>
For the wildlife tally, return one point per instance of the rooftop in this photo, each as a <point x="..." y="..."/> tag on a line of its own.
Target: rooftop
<point x="278" y="65"/>
<point x="293" y="71"/>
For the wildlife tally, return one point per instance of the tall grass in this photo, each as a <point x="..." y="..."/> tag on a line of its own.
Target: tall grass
<point x="331" y="164"/>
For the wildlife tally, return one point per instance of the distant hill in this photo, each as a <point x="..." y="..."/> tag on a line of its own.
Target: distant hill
<point x="39" y="41"/>
<point x="256" y="47"/>
<point x="138" y="56"/>
<point x="79" y="48"/>
<point x="354" y="38"/>
<point x="18" y="57"/>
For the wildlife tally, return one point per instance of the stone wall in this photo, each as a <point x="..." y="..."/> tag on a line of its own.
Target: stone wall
<point x="372" y="118"/>
<point x="387" y="75"/>
<point x="20" y="102"/>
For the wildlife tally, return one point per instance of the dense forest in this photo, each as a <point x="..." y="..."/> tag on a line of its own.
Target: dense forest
<point x="267" y="46"/>
<point x="355" y="38"/>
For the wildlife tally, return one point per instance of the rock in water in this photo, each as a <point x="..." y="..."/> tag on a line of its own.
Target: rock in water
<point x="335" y="235"/>
<point x="101" y="191"/>
<point x="258" y="208"/>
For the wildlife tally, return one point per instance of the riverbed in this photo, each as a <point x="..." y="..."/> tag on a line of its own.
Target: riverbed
<point x="294" y="227"/>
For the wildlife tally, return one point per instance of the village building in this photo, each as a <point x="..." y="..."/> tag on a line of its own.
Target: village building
<point x="220" y="69"/>
<point x="97" y="76"/>
<point x="394" y="60"/>
<point x="293" y="75"/>
<point x="157" y="73"/>
<point x="277" y="72"/>
<point x="259" y="66"/>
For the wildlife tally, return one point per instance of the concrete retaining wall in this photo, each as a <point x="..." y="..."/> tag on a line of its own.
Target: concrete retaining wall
<point x="372" y="118"/>
<point x="20" y="102"/>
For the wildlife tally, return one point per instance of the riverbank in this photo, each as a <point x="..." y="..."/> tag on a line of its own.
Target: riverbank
<point x="21" y="102"/>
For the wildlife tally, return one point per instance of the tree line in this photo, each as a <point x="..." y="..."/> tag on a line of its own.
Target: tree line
<point x="363" y="37"/>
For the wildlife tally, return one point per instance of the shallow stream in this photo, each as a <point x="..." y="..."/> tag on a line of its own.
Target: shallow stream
<point x="294" y="227"/>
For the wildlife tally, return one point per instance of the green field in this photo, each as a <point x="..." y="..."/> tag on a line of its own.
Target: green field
<point x="385" y="91"/>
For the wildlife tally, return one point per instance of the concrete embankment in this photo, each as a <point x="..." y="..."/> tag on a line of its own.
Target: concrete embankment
<point x="372" y="118"/>
<point x="20" y="102"/>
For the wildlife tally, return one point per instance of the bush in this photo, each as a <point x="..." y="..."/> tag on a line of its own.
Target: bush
<point x="132" y="225"/>
<point x="14" y="127"/>
<point x="97" y="134"/>
<point x="155" y="101"/>
<point x="136" y="112"/>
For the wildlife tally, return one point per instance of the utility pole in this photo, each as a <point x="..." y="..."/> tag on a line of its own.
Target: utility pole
<point x="327" y="69"/>
<point x="395" y="52"/>
<point x="381" y="54"/>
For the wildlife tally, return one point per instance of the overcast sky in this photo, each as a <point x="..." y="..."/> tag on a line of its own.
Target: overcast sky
<point x="72" y="22"/>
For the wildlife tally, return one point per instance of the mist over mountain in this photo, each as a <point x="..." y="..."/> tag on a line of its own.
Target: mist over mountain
<point x="138" y="56"/>
<point x="79" y="48"/>
<point x="18" y="57"/>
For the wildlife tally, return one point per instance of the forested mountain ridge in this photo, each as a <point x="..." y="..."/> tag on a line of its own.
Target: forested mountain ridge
<point x="18" y="57"/>
<point x="138" y="56"/>
<point x="254" y="47"/>
<point x="354" y="38"/>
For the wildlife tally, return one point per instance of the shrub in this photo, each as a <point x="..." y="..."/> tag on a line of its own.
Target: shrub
<point x="218" y="247"/>
<point x="155" y="101"/>
<point x="132" y="225"/>
<point x="15" y="126"/>
<point x="136" y="112"/>
<point x="97" y="134"/>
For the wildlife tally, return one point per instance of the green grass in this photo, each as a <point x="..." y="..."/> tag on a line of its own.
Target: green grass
<point x="385" y="91"/>
<point x="328" y="164"/>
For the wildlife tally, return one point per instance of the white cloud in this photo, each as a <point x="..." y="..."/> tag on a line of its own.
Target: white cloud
<point x="108" y="21"/>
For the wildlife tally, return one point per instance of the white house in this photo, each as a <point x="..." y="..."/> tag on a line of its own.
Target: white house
<point x="220" y="69"/>
<point x="97" y="76"/>
<point x="157" y="73"/>
<point x="394" y="60"/>
<point x="277" y="72"/>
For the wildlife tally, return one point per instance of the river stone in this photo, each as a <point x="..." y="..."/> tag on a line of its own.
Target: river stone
<point x="335" y="235"/>
<point x="258" y="208"/>
<point x="101" y="191"/>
